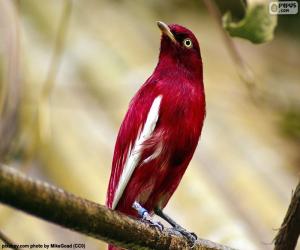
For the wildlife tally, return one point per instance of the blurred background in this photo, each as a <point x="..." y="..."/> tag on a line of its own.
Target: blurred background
<point x="68" y="70"/>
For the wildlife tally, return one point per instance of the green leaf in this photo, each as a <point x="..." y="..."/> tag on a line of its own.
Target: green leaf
<point x="257" y="26"/>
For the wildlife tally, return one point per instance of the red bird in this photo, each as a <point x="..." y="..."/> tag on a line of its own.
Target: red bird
<point x="160" y="131"/>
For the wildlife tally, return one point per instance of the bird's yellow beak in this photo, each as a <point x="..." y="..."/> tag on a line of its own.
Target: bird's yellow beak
<point x="166" y="30"/>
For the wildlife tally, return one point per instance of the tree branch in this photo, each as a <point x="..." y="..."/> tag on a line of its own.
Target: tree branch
<point x="287" y="236"/>
<point x="55" y="205"/>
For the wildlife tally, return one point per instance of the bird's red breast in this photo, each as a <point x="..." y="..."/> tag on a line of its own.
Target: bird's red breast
<point x="161" y="128"/>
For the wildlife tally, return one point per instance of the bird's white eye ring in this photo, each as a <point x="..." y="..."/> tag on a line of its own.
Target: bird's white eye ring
<point x="188" y="43"/>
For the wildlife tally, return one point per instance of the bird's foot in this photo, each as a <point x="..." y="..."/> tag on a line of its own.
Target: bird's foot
<point x="156" y="224"/>
<point x="143" y="213"/>
<point x="190" y="236"/>
<point x="176" y="228"/>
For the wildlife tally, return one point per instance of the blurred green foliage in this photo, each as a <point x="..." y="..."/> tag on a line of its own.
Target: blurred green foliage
<point x="257" y="26"/>
<point x="290" y="124"/>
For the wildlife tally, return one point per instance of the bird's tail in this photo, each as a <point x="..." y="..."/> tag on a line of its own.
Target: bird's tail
<point x="111" y="247"/>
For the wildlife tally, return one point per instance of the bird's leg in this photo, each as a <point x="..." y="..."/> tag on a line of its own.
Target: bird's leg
<point x="192" y="237"/>
<point x="143" y="213"/>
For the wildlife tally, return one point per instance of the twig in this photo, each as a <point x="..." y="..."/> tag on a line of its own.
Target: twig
<point x="287" y="236"/>
<point x="43" y="111"/>
<point x="244" y="70"/>
<point x="7" y="241"/>
<point x="58" y="48"/>
<point x="86" y="217"/>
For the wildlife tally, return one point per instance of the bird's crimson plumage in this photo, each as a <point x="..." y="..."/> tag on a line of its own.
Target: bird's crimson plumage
<point x="177" y="83"/>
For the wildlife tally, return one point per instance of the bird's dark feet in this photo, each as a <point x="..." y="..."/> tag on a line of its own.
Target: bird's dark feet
<point x="190" y="236"/>
<point x="176" y="228"/>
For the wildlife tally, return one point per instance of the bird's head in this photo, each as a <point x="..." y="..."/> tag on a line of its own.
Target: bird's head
<point x="179" y="46"/>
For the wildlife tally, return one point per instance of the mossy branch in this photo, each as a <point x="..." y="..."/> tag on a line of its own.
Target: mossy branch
<point x="67" y="210"/>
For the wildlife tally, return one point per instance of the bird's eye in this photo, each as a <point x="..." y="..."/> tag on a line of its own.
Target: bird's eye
<point x="188" y="43"/>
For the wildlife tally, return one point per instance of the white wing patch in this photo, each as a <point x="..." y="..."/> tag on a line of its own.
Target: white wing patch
<point x="156" y="153"/>
<point x="135" y="154"/>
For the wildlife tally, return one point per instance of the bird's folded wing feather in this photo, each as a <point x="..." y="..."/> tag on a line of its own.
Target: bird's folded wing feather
<point x="136" y="129"/>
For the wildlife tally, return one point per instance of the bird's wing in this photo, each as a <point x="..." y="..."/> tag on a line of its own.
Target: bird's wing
<point x="137" y="127"/>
